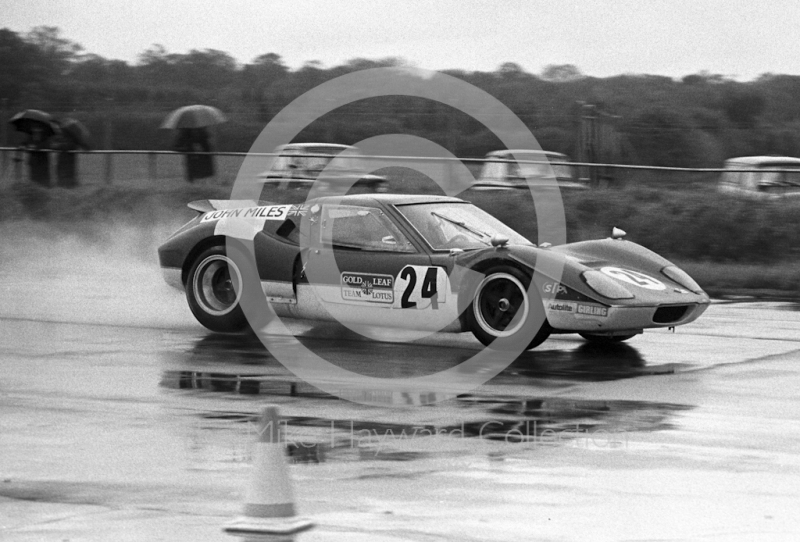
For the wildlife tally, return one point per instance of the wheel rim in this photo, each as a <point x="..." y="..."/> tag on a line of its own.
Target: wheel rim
<point x="498" y="300"/>
<point x="215" y="289"/>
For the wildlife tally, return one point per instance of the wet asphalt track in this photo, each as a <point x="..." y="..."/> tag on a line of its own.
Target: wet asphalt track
<point x="120" y="414"/>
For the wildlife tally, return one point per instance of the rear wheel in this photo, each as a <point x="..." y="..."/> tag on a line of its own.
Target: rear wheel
<point x="502" y="309"/>
<point x="213" y="290"/>
<point x="608" y="339"/>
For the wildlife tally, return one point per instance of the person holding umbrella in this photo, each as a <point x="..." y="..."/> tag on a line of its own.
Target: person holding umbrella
<point x="191" y="122"/>
<point x="192" y="141"/>
<point x="73" y="136"/>
<point x="39" y="128"/>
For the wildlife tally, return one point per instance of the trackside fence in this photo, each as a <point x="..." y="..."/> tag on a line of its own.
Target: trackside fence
<point x="158" y="168"/>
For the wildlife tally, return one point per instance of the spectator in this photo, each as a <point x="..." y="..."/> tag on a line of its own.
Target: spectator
<point x="204" y="162"/>
<point x="191" y="141"/>
<point x="66" y="162"/>
<point x="71" y="137"/>
<point x="38" y="157"/>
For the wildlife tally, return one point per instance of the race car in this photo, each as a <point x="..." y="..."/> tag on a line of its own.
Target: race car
<point x="417" y="262"/>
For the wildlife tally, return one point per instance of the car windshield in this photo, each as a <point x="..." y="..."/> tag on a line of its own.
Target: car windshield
<point x="447" y="226"/>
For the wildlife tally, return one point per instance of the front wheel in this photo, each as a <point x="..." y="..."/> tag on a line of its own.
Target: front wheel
<point x="213" y="290"/>
<point x="502" y="309"/>
<point x="607" y="339"/>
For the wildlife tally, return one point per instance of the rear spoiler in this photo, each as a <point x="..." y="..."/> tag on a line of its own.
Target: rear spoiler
<point x="203" y="206"/>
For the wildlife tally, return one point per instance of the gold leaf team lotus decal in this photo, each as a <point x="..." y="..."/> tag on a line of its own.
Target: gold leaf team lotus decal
<point x="368" y="287"/>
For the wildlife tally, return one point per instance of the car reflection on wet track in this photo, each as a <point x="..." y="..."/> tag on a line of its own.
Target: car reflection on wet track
<point x="241" y="366"/>
<point x="227" y="363"/>
<point x="548" y="422"/>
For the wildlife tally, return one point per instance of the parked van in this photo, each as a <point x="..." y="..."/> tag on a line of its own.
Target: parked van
<point x="768" y="182"/>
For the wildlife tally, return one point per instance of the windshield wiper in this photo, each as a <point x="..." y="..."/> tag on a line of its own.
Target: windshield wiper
<point x="462" y="225"/>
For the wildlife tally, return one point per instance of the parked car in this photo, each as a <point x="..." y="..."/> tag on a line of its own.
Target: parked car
<point x="300" y="164"/>
<point x="765" y="183"/>
<point x="405" y="261"/>
<point x="510" y="174"/>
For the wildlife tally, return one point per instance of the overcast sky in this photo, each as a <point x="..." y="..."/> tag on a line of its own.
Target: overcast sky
<point x="602" y="37"/>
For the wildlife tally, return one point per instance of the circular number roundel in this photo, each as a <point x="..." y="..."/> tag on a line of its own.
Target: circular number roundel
<point x="634" y="277"/>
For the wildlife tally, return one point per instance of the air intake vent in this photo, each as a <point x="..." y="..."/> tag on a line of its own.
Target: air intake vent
<point x="665" y="315"/>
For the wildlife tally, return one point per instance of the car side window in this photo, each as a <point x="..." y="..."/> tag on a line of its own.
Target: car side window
<point x="361" y="228"/>
<point x="537" y="171"/>
<point x="281" y="164"/>
<point x="492" y="170"/>
<point x="290" y="230"/>
<point x="315" y="165"/>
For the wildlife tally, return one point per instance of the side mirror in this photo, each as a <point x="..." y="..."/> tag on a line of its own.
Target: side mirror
<point x="617" y="233"/>
<point x="499" y="240"/>
<point x="389" y="240"/>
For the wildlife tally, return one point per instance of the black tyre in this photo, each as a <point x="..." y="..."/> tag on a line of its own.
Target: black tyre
<point x="500" y="297"/>
<point x="605" y="338"/>
<point x="213" y="290"/>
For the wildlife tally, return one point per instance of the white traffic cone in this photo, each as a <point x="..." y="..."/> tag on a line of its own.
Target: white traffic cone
<point x="269" y="507"/>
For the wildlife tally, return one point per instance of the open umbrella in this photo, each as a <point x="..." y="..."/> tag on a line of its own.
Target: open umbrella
<point x="77" y="132"/>
<point x="193" y="116"/>
<point x="24" y="121"/>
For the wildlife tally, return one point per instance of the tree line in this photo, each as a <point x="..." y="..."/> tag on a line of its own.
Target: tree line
<point x="695" y="121"/>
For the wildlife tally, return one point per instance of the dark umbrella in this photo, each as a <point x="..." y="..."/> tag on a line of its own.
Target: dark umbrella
<point x="193" y="116"/>
<point x="77" y="132"/>
<point x="24" y="121"/>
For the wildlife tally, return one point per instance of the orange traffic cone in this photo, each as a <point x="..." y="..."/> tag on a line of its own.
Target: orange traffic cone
<point x="269" y="508"/>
